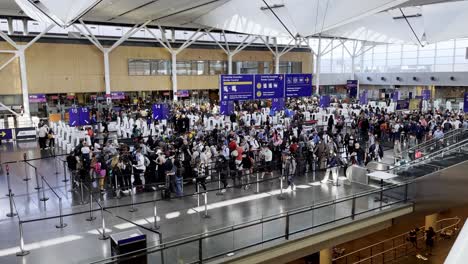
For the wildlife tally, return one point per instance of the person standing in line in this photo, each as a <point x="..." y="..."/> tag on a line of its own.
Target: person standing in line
<point x="43" y="132"/>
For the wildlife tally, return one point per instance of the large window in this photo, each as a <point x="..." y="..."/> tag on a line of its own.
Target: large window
<point x="203" y="67"/>
<point x="218" y="67"/>
<point x="444" y="56"/>
<point x="139" y="67"/>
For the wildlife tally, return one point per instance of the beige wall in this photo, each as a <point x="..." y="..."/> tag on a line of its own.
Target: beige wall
<point x="79" y="68"/>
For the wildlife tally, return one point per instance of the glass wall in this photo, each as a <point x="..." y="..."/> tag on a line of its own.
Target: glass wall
<point x="445" y="56"/>
<point x="143" y="67"/>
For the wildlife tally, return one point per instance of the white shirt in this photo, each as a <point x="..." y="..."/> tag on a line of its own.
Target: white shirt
<point x="267" y="154"/>
<point x="85" y="150"/>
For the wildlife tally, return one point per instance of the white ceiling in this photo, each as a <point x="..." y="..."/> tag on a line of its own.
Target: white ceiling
<point x="371" y="20"/>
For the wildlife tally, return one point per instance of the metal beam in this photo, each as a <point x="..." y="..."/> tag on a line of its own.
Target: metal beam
<point x="158" y="39"/>
<point x="96" y="41"/>
<point x="91" y="39"/>
<point x="127" y="35"/>
<point x="8" y="62"/>
<point x="217" y="42"/>
<point x="8" y="39"/>
<point x="38" y="36"/>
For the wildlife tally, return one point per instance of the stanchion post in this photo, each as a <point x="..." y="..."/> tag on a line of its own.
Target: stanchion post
<point x="26" y="173"/>
<point x="65" y="171"/>
<point x="353" y="208"/>
<point x="55" y="164"/>
<point x="44" y="198"/>
<point x="37" y="179"/>
<point x="219" y="184"/>
<point x="132" y="193"/>
<point x="91" y="217"/>
<point x="22" y="252"/>
<point x="61" y="224"/>
<point x="281" y="196"/>
<point x="10" y="194"/>
<point x="258" y="184"/>
<point x="155" y="215"/>
<point x="103" y="236"/>
<point x="205" y="194"/>
<point x="198" y="194"/>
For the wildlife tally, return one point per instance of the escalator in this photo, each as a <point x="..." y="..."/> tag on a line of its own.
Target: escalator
<point x="438" y="178"/>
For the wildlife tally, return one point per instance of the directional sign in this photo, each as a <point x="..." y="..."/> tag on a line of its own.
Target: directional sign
<point x="363" y="98"/>
<point x="298" y="85"/>
<point x="324" y="101"/>
<point x="117" y="95"/>
<point x="84" y="116"/>
<point x="74" y="117"/>
<point x="6" y="134"/>
<point x="402" y="104"/>
<point x="160" y="111"/>
<point x="426" y="94"/>
<point x="465" y="103"/>
<point x="352" y="86"/>
<point x="237" y="87"/>
<point x="268" y="86"/>
<point x="277" y="104"/>
<point x="226" y="107"/>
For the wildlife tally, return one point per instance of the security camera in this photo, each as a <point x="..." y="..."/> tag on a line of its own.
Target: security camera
<point x="369" y="78"/>
<point x="452" y="78"/>
<point x="415" y="78"/>
<point x="398" y="79"/>
<point x="433" y="78"/>
<point x="383" y="79"/>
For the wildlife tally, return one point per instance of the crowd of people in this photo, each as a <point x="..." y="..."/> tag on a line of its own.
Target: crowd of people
<point x="182" y="152"/>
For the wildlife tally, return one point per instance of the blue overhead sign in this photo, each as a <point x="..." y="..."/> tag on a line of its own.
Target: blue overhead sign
<point x="160" y="111"/>
<point x="73" y="117"/>
<point x="268" y="86"/>
<point x="324" y="101"/>
<point x="465" y="103"/>
<point x="84" y="116"/>
<point x="352" y="86"/>
<point x="277" y="104"/>
<point x="6" y="134"/>
<point x="298" y="85"/>
<point x="237" y="87"/>
<point x="226" y="107"/>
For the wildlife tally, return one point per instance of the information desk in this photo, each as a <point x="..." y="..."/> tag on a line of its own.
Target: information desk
<point x="126" y="242"/>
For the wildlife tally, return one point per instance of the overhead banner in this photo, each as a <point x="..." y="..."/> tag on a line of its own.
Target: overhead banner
<point x="465" y="101"/>
<point x="278" y="104"/>
<point x="363" y="98"/>
<point x="352" y="87"/>
<point x="37" y="98"/>
<point x="324" y="101"/>
<point x="183" y="93"/>
<point x="160" y="111"/>
<point x="6" y="134"/>
<point x="402" y="105"/>
<point x="426" y="94"/>
<point x="396" y="96"/>
<point x="269" y="86"/>
<point x="298" y="85"/>
<point x="237" y="87"/>
<point x="117" y="95"/>
<point x="226" y="107"/>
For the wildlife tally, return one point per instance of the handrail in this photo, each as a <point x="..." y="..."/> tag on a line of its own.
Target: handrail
<point x="406" y="242"/>
<point x="431" y="155"/>
<point x="450" y="133"/>
<point x="235" y="227"/>
<point x="398" y="236"/>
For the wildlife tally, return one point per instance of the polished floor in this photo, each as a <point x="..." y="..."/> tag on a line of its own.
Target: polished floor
<point x="177" y="218"/>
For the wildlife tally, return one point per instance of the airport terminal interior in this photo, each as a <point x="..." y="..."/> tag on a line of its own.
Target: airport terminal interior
<point x="233" y="131"/>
